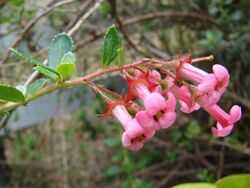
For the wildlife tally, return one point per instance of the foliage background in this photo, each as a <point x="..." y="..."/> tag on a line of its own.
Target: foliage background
<point x="76" y="150"/>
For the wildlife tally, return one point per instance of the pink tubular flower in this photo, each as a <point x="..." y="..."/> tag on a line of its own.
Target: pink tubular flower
<point x="184" y="96"/>
<point x="225" y="121"/>
<point x="121" y="113"/>
<point x="158" y="112"/>
<point x="141" y="86"/>
<point x="135" y="136"/>
<point x="211" y="86"/>
<point x="154" y="76"/>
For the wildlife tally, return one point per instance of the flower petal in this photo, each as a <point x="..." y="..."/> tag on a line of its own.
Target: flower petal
<point x="133" y="129"/>
<point x="171" y="102"/>
<point x="135" y="146"/>
<point x="149" y="134"/>
<point x="220" y="131"/>
<point x="212" y="98"/>
<point x="126" y="140"/>
<point x="221" y="74"/>
<point x="208" y="84"/>
<point x="186" y="109"/>
<point x="154" y="103"/>
<point x="146" y="121"/>
<point x="167" y="119"/>
<point x="235" y="113"/>
<point x="155" y="76"/>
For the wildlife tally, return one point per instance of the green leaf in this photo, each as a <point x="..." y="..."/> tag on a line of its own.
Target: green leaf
<point x="66" y="69"/>
<point x="234" y="181"/>
<point x="60" y="45"/>
<point x="22" y="89"/>
<point x="112" y="42"/>
<point x="67" y="65"/>
<point x="35" y="86"/>
<point x="195" y="185"/>
<point x="68" y="58"/>
<point x="48" y="73"/>
<point x="25" y="57"/>
<point x="40" y="67"/>
<point x="8" y="93"/>
<point x="120" y="53"/>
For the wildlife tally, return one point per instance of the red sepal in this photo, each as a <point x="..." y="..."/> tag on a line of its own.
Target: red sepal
<point x="109" y="106"/>
<point x="144" y="78"/>
<point x="185" y="59"/>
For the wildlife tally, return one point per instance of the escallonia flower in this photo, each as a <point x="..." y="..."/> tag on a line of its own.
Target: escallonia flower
<point x="225" y="121"/>
<point x="158" y="113"/>
<point x="142" y="84"/>
<point x="184" y="96"/>
<point x="134" y="135"/>
<point x="210" y="85"/>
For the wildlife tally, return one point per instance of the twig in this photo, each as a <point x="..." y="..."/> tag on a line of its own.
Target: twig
<point x="165" y="15"/>
<point x="30" y="25"/>
<point x="84" y="80"/>
<point x="84" y="17"/>
<point x="238" y="98"/>
<point x="205" y="162"/>
<point x="173" y="15"/>
<point x="170" y="175"/>
<point x="80" y="13"/>
<point x="221" y="162"/>
<point x="70" y="32"/>
<point x="120" y="25"/>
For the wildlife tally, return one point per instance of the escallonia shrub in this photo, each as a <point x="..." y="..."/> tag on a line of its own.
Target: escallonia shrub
<point x="154" y="88"/>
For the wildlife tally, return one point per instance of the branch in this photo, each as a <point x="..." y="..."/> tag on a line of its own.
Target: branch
<point x="86" y="79"/>
<point x="166" y="15"/>
<point x="70" y="32"/>
<point x="31" y="23"/>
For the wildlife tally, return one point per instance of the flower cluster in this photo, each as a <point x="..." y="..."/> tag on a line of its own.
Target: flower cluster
<point x="150" y="104"/>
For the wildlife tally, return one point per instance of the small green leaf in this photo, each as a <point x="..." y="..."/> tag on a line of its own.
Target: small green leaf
<point x="60" y="45"/>
<point x="112" y="42"/>
<point x="67" y="65"/>
<point x="195" y="185"/>
<point x="66" y="69"/>
<point x="25" y="57"/>
<point x="234" y="181"/>
<point x="22" y="89"/>
<point x="48" y="73"/>
<point x="40" y="67"/>
<point x="8" y="93"/>
<point x="35" y="86"/>
<point x="120" y="53"/>
<point x="68" y="58"/>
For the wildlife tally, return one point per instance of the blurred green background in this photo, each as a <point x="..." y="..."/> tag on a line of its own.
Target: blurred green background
<point x="79" y="149"/>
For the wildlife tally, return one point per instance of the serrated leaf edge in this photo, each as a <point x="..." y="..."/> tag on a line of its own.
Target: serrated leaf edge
<point x="60" y="34"/>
